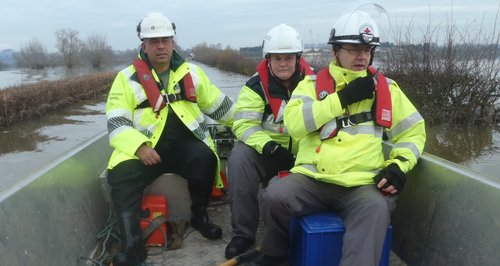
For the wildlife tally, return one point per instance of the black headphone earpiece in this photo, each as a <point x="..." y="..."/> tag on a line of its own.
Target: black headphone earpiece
<point x="138" y="29"/>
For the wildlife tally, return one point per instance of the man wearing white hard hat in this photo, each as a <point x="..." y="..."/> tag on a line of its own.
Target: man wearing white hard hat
<point x="339" y="120"/>
<point x="264" y="148"/>
<point x="156" y="125"/>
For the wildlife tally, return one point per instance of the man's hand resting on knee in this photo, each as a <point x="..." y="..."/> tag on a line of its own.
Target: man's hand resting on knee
<point x="147" y="155"/>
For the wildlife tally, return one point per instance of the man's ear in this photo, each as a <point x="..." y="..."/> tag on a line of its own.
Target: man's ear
<point x="334" y="50"/>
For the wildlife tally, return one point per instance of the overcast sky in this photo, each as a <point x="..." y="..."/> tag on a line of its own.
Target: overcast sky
<point x="236" y="23"/>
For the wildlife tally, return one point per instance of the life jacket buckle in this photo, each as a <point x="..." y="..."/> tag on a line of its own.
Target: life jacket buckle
<point x="166" y="98"/>
<point x="346" y="122"/>
<point x="173" y="97"/>
<point x="170" y="98"/>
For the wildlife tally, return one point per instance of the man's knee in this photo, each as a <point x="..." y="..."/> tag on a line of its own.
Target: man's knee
<point x="275" y="193"/>
<point x="201" y="167"/>
<point x="378" y="206"/>
<point x="380" y="201"/>
<point x="240" y="154"/>
<point x="126" y="171"/>
<point x="200" y="155"/>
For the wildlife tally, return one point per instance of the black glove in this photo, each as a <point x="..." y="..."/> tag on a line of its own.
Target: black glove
<point x="283" y="158"/>
<point x="394" y="177"/>
<point x="357" y="90"/>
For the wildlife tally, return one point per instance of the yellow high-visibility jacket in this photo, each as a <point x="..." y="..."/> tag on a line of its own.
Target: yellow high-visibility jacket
<point x="132" y="123"/>
<point x="254" y="122"/>
<point x="354" y="156"/>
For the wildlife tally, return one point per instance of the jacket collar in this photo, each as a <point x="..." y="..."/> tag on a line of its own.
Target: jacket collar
<point x="344" y="75"/>
<point x="175" y="62"/>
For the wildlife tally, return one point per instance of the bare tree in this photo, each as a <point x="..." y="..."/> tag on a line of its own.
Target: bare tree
<point x="451" y="74"/>
<point x="70" y="46"/>
<point x="97" y="50"/>
<point x="33" y="55"/>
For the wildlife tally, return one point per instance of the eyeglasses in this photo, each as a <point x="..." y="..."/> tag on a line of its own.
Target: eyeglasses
<point x="358" y="51"/>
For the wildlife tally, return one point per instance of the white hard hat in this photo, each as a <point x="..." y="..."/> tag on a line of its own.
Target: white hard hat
<point x="282" y="39"/>
<point x="356" y="27"/>
<point x="155" y="25"/>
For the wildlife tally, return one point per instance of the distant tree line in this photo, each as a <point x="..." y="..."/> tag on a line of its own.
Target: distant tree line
<point x="72" y="51"/>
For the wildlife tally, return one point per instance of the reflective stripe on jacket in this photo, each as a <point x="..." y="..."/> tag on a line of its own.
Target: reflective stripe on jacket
<point x="355" y="155"/>
<point x="254" y="121"/>
<point x="131" y="122"/>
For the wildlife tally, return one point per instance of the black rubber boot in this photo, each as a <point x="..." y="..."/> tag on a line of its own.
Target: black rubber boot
<point x="133" y="250"/>
<point x="237" y="246"/>
<point x="200" y="221"/>
<point x="265" y="260"/>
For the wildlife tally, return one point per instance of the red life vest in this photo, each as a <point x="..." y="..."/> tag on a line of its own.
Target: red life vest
<point x="155" y="98"/>
<point x="325" y="85"/>
<point x="276" y="103"/>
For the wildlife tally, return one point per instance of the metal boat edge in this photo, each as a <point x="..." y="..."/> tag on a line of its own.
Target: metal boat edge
<point x="446" y="215"/>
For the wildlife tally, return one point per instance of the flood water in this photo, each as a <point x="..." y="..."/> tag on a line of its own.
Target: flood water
<point x="28" y="146"/>
<point x="18" y="76"/>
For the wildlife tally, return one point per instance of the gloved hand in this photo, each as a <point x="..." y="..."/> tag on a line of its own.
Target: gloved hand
<point x="283" y="158"/>
<point x="357" y="90"/>
<point x="394" y="176"/>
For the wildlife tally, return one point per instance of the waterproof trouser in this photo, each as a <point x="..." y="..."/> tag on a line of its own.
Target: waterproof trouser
<point x="364" y="210"/>
<point x="246" y="170"/>
<point x="189" y="158"/>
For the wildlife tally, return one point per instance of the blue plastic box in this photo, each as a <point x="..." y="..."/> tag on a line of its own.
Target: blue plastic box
<point x="316" y="240"/>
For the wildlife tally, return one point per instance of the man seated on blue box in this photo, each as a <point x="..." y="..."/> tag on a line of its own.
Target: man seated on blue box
<point x="339" y="119"/>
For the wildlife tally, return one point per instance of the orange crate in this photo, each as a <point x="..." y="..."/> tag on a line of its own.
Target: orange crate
<point x="157" y="205"/>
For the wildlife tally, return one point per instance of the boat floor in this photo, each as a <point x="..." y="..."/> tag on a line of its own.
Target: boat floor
<point x="197" y="250"/>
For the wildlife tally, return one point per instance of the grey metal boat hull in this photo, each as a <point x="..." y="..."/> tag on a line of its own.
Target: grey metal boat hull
<point x="447" y="215"/>
<point x="52" y="217"/>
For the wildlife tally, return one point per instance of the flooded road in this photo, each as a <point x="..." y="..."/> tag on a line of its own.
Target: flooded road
<point x="28" y="146"/>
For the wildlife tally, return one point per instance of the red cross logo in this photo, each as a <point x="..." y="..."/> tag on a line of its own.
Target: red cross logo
<point x="367" y="30"/>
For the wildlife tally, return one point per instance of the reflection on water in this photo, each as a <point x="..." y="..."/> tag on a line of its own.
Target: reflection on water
<point x="477" y="148"/>
<point x="28" y="135"/>
<point x="30" y="145"/>
<point x="461" y="144"/>
<point x="16" y="141"/>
